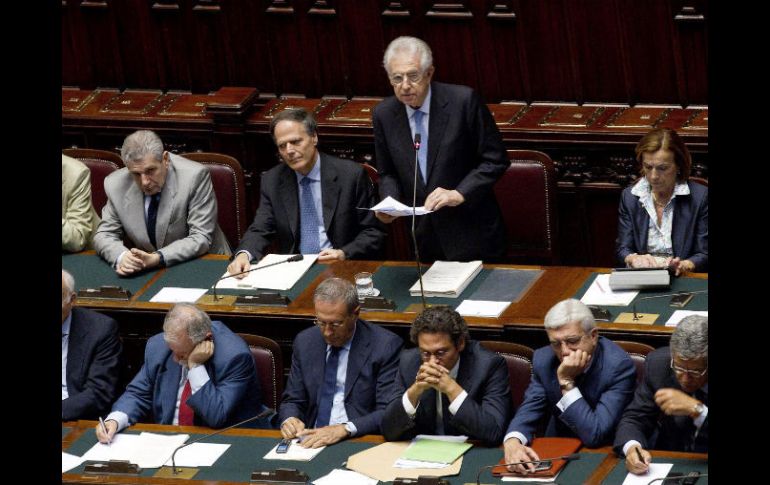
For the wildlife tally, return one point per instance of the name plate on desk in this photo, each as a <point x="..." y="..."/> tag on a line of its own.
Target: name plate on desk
<point x="377" y="304"/>
<point x="263" y="299"/>
<point x="279" y="476"/>
<point x="422" y="480"/>
<point x="105" y="292"/>
<point x="112" y="467"/>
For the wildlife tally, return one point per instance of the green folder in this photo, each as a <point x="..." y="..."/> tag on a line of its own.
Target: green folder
<point x="435" y="451"/>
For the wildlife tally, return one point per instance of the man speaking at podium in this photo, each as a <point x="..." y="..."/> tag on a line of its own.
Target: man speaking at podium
<point x="460" y="157"/>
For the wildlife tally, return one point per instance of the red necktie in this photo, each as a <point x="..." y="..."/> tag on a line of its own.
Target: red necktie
<point x="186" y="413"/>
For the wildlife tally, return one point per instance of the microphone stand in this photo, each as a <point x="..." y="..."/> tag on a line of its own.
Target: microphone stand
<point x="417" y="138"/>
<point x="681" y="479"/>
<point x="296" y="257"/>
<point x="633" y="307"/>
<point x="573" y="456"/>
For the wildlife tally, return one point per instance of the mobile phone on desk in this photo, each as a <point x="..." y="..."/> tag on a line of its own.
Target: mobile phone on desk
<point x="543" y="465"/>
<point x="679" y="301"/>
<point x="283" y="446"/>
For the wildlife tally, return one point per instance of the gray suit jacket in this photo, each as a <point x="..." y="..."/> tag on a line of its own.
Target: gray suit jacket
<point x="187" y="215"/>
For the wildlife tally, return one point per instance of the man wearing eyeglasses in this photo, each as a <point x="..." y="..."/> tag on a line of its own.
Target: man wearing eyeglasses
<point x="342" y="371"/>
<point x="670" y="408"/>
<point x="449" y="384"/>
<point x="460" y="157"/>
<point x="580" y="384"/>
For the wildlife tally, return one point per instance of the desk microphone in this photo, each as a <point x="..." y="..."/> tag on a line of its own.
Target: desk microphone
<point x="689" y="479"/>
<point x="296" y="257"/>
<point x="573" y="456"/>
<point x="417" y="139"/>
<point x="267" y="412"/>
<point x="633" y="307"/>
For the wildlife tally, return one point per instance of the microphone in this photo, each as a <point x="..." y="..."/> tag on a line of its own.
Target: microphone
<point x="296" y="257"/>
<point x="417" y="139"/>
<point x="267" y="412"/>
<point x="573" y="456"/>
<point x="684" y="479"/>
<point x="633" y="307"/>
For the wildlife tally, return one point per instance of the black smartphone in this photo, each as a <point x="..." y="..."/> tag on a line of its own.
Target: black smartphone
<point x="600" y="314"/>
<point x="680" y="300"/>
<point x="543" y="465"/>
<point x="691" y="478"/>
<point x="283" y="446"/>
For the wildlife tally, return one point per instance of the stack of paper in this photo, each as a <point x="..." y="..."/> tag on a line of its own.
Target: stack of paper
<point x="278" y="277"/>
<point x="639" y="279"/>
<point x="147" y="450"/>
<point x="600" y="293"/>
<point x="447" y="278"/>
<point x="432" y="453"/>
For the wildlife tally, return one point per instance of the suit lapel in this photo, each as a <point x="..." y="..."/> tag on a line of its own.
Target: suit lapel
<point x="75" y="348"/>
<point x="167" y="205"/>
<point x="330" y="192"/>
<point x="290" y="198"/>
<point x="133" y="202"/>
<point x="439" y="116"/>
<point x="317" y="360"/>
<point x="168" y="387"/>
<point x="357" y="356"/>
<point x="679" y="231"/>
<point x="643" y="223"/>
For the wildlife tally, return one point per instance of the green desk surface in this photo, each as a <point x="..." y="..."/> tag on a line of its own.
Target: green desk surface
<point x="245" y="455"/>
<point x="681" y="465"/>
<point x="658" y="305"/>
<point x="90" y="271"/>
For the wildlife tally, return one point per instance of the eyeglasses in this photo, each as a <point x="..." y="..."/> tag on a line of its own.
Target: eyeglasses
<point x="689" y="372"/>
<point x="570" y="341"/>
<point x="333" y="325"/>
<point x="412" y="77"/>
<point x="439" y="354"/>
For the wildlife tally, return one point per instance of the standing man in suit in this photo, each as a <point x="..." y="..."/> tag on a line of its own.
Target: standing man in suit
<point x="461" y="156"/>
<point x="670" y="407"/>
<point x="78" y="217"/>
<point x="580" y="384"/>
<point x="163" y="204"/>
<point x="197" y="372"/>
<point x="311" y="201"/>
<point x="342" y="372"/>
<point x="90" y="358"/>
<point x="449" y="384"/>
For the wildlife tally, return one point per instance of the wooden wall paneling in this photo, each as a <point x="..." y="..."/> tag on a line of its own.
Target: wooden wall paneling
<point x="139" y="45"/>
<point x="452" y="38"/>
<point x="290" y="45"/>
<point x="173" y="50"/>
<point x="328" y="62"/>
<point x="92" y="37"/>
<point x="209" y="40"/>
<point x="507" y="68"/>
<point x="363" y="46"/>
<point x="690" y="39"/>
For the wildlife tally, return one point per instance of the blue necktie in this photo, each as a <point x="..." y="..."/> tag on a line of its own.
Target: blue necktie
<point x="152" y="217"/>
<point x="328" y="389"/>
<point x="422" y="153"/>
<point x="309" y="242"/>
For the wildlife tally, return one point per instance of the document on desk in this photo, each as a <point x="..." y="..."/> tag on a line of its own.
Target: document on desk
<point x="147" y="450"/>
<point x="600" y="293"/>
<point x="656" y="470"/>
<point x="295" y="452"/>
<point x="345" y="477"/>
<point x="199" y="454"/>
<point x="431" y="453"/>
<point x="678" y="315"/>
<point x="279" y="277"/>
<point x="172" y="294"/>
<point x="392" y="207"/>
<point x="447" y="279"/>
<point x="478" y="308"/>
<point x="68" y="462"/>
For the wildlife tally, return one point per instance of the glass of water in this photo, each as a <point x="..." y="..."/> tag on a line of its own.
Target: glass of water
<point x="364" y="284"/>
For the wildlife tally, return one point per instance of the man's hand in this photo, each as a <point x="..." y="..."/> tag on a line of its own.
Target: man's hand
<point x="240" y="264"/>
<point x="328" y="435"/>
<point x="129" y="264"/>
<point x="200" y="354"/>
<point x="637" y="465"/>
<point x="442" y="197"/>
<point x="329" y="255"/>
<point x="437" y="376"/>
<point x="572" y="365"/>
<point x="291" y="428"/>
<point x="149" y="260"/>
<point x="420" y="385"/>
<point x="642" y="261"/>
<point x="674" y="402"/>
<point x="680" y="266"/>
<point x="112" y="427"/>
<point x="383" y="217"/>
<point x="515" y="451"/>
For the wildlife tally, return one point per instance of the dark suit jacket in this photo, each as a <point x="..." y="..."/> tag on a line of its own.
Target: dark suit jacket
<point x="465" y="153"/>
<point x="689" y="231"/>
<point x="344" y="187"/>
<point x="483" y="414"/>
<point x="607" y="388"/>
<point x="644" y="422"/>
<point x="372" y="365"/>
<point x="93" y="365"/>
<point x="231" y="395"/>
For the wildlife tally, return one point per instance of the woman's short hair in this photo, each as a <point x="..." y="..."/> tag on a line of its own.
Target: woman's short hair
<point x="666" y="139"/>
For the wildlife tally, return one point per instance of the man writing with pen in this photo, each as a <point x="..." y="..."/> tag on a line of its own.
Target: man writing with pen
<point x="197" y="372"/>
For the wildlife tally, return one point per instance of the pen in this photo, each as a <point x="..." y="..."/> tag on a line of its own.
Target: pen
<point x="640" y="455"/>
<point x="104" y="429"/>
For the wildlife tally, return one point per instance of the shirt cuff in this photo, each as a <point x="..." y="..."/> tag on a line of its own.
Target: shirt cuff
<point x="698" y="422"/>
<point x="567" y="399"/>
<point x="351" y="428"/>
<point x="117" y="261"/>
<point x="162" y="262"/>
<point x="517" y="435"/>
<point x="119" y="417"/>
<point x="410" y="410"/>
<point x="198" y="377"/>
<point x="245" y="252"/>
<point x="454" y="406"/>
<point x="629" y="444"/>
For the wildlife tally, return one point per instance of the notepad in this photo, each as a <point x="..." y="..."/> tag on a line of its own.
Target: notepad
<point x="435" y="451"/>
<point x="447" y="279"/>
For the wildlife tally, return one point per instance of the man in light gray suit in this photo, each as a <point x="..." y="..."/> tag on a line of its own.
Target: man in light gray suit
<point x="161" y="204"/>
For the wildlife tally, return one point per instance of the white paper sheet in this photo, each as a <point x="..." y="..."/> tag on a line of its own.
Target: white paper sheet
<point x="172" y="294"/>
<point x="295" y="453"/>
<point x="447" y="279"/>
<point x="68" y="462"/>
<point x="482" y="308"/>
<point x="147" y="450"/>
<point x="657" y="470"/>
<point x="392" y="207"/>
<point x="345" y="477"/>
<point x="121" y="447"/>
<point x="678" y="315"/>
<point x="279" y="277"/>
<point x="600" y="293"/>
<point x="199" y="454"/>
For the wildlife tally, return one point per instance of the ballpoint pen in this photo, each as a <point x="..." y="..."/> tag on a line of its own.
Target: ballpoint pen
<point x="104" y="429"/>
